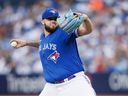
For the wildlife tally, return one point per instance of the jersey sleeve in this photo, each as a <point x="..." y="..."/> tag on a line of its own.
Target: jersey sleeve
<point x="71" y="36"/>
<point x="67" y="37"/>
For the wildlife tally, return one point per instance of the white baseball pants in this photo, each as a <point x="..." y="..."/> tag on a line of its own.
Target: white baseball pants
<point x="78" y="86"/>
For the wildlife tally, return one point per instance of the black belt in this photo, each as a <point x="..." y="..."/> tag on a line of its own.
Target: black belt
<point x="66" y="79"/>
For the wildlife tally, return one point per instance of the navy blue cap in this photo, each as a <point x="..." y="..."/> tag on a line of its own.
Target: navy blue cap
<point x="50" y="12"/>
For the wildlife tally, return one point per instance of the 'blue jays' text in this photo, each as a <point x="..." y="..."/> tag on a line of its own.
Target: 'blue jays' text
<point x="50" y="46"/>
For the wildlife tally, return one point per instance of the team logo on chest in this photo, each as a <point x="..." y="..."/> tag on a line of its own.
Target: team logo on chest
<point x="54" y="56"/>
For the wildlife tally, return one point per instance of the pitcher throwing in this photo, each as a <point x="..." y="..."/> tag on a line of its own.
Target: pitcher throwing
<point x="62" y="67"/>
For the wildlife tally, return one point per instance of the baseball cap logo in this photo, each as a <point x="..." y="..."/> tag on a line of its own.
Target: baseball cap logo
<point x="53" y="11"/>
<point x="54" y="56"/>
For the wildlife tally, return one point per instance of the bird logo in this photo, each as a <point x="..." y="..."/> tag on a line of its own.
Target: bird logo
<point x="54" y="56"/>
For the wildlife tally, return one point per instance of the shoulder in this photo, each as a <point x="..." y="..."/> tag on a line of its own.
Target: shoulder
<point x="42" y="36"/>
<point x="60" y="30"/>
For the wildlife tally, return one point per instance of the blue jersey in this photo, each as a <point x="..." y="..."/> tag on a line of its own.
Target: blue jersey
<point x="59" y="55"/>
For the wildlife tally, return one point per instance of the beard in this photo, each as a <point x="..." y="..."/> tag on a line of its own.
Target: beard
<point x="49" y="29"/>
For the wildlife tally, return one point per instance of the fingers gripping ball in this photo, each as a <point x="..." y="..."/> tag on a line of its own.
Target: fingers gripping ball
<point x="13" y="43"/>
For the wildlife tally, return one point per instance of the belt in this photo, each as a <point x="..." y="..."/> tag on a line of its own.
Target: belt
<point x="66" y="79"/>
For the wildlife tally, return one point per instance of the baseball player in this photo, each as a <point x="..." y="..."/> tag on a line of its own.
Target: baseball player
<point x="62" y="67"/>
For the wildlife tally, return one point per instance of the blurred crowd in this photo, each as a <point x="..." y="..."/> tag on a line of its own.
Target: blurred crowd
<point x="104" y="50"/>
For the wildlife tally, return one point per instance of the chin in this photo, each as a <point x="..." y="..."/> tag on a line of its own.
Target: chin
<point x="53" y="27"/>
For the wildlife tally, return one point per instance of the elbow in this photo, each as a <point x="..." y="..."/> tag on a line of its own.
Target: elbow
<point x="85" y="32"/>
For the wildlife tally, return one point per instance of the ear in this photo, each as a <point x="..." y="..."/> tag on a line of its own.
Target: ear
<point x="42" y="22"/>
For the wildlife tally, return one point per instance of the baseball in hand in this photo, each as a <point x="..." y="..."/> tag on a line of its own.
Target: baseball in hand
<point x="14" y="43"/>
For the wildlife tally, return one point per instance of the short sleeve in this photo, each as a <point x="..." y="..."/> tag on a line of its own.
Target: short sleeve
<point x="71" y="36"/>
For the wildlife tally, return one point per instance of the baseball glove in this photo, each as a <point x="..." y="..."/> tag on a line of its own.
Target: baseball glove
<point x="70" y="21"/>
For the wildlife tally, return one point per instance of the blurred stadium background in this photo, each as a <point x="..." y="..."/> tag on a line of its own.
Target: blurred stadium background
<point x="104" y="52"/>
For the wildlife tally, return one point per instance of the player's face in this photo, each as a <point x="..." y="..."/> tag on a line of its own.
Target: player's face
<point x="50" y="24"/>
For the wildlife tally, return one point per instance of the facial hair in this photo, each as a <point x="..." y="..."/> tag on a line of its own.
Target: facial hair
<point x="50" y="30"/>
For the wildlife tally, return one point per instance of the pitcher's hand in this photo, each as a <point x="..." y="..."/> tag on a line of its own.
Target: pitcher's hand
<point x="20" y="43"/>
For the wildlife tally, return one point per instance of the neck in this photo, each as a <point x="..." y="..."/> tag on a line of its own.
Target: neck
<point x="46" y="33"/>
